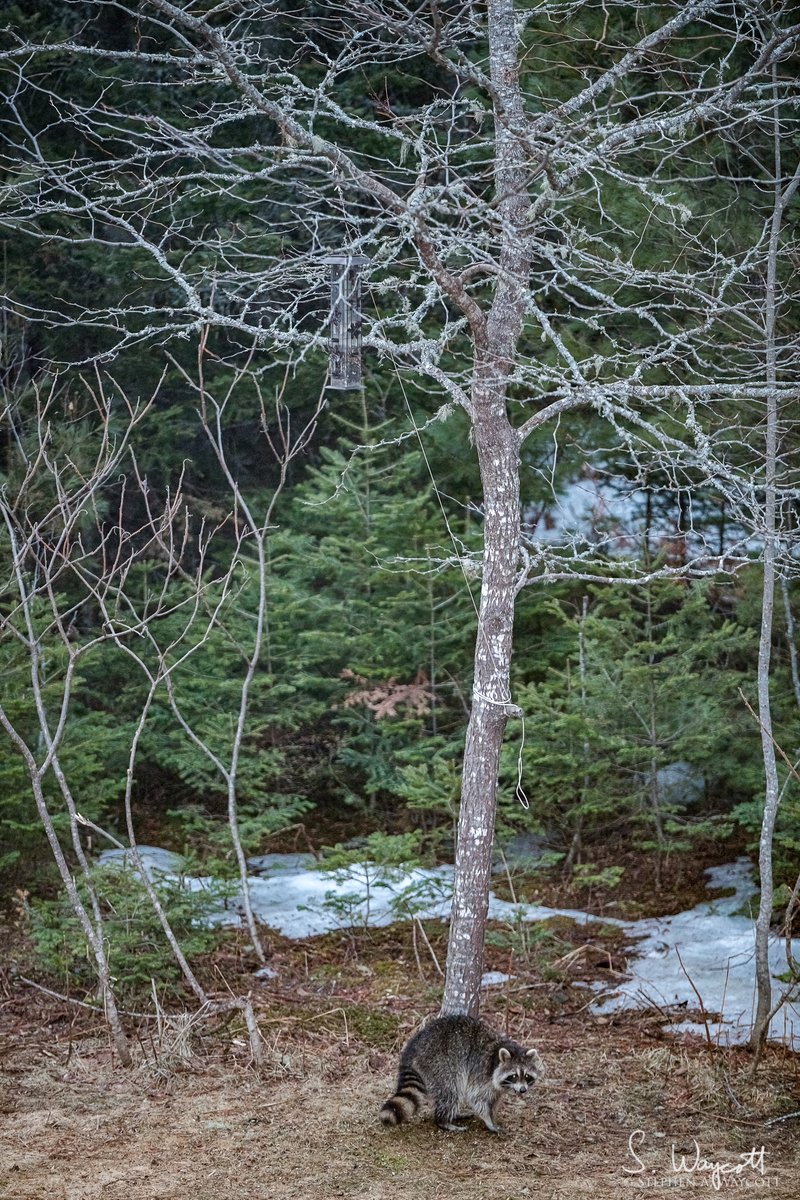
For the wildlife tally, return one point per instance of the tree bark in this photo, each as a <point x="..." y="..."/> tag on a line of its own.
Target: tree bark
<point x="498" y="455"/>
<point x="497" y="443"/>
<point x="772" y="787"/>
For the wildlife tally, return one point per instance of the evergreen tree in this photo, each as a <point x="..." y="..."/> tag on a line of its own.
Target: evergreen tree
<point x="636" y="732"/>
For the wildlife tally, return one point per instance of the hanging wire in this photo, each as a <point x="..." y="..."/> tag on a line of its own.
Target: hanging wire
<point x="511" y="709"/>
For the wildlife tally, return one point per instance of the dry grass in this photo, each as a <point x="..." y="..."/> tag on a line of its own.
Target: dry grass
<point x="196" y="1120"/>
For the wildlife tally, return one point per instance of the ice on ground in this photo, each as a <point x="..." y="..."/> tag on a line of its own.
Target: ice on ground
<point x="494" y="978"/>
<point x="299" y="900"/>
<point x="710" y="947"/>
<point x="713" y="948"/>
<point x="274" y="864"/>
<point x="153" y="858"/>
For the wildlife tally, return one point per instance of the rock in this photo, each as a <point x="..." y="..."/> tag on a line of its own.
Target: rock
<point x="680" y="784"/>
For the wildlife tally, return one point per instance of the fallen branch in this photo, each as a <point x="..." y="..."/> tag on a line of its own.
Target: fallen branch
<point x="96" y="1008"/>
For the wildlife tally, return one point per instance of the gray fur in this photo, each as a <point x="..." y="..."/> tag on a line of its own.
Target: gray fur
<point x="463" y="1067"/>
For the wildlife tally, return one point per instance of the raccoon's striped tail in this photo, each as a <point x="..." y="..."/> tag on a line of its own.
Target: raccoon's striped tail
<point x="404" y="1103"/>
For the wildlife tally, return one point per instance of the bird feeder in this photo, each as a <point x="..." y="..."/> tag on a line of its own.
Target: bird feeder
<point x="345" y="320"/>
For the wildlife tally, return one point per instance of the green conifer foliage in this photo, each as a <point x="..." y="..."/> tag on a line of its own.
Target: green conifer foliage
<point x="634" y="737"/>
<point x="371" y="629"/>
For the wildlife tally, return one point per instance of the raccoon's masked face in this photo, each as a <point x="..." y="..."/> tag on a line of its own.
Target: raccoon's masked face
<point x="517" y="1075"/>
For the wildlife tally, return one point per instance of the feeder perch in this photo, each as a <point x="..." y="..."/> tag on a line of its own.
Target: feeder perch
<point x="345" y="320"/>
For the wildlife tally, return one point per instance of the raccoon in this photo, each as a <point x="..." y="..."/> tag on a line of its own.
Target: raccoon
<point x="463" y="1066"/>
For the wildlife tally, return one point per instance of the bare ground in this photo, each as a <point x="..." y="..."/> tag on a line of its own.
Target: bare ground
<point x="195" y="1119"/>
<point x="84" y="1129"/>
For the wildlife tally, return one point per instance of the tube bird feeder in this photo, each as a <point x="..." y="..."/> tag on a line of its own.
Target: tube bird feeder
<point x="345" y="320"/>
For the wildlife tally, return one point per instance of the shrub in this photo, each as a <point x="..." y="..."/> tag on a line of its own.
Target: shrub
<point x="139" y="956"/>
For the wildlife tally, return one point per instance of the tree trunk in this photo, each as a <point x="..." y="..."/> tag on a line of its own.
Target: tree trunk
<point x="772" y="789"/>
<point x="497" y="444"/>
<point x="498" y="456"/>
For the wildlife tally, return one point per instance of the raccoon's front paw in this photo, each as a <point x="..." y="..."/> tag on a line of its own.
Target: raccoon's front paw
<point x="454" y="1128"/>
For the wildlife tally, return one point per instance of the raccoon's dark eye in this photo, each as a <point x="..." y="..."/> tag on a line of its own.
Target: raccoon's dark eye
<point x="529" y="1078"/>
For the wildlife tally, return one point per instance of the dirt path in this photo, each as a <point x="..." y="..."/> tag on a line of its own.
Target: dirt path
<point x="82" y="1130"/>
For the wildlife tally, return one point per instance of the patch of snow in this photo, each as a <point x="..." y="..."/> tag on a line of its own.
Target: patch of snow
<point x="713" y="947"/>
<point x="300" y="900"/>
<point x="165" y="862"/>
<point x="494" y="978"/>
<point x="263" y="864"/>
<point x="715" y="942"/>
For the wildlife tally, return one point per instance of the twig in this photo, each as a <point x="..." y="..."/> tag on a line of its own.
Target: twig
<point x="699" y="1000"/>
<point x="785" y="995"/>
<point x="159" y="1013"/>
<point x="787" y="923"/>
<point x="731" y="1094"/>
<point x="210" y="1009"/>
<point x="431" y="950"/>
<point x="83" y="1003"/>
<point x="793" y="769"/>
<point x="79" y="817"/>
<point x="739" y="1121"/>
<point x="415" y="949"/>
<point x="508" y="876"/>
<point x="256" y="1043"/>
<point x="649" y="1001"/>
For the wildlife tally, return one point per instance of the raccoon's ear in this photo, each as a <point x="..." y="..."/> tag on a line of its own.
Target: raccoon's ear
<point x="505" y="1055"/>
<point x="531" y="1053"/>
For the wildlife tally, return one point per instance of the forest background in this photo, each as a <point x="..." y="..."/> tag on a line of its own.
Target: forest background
<point x="301" y="567"/>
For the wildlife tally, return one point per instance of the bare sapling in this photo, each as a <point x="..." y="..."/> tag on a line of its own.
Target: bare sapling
<point x="253" y="529"/>
<point x="773" y="535"/>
